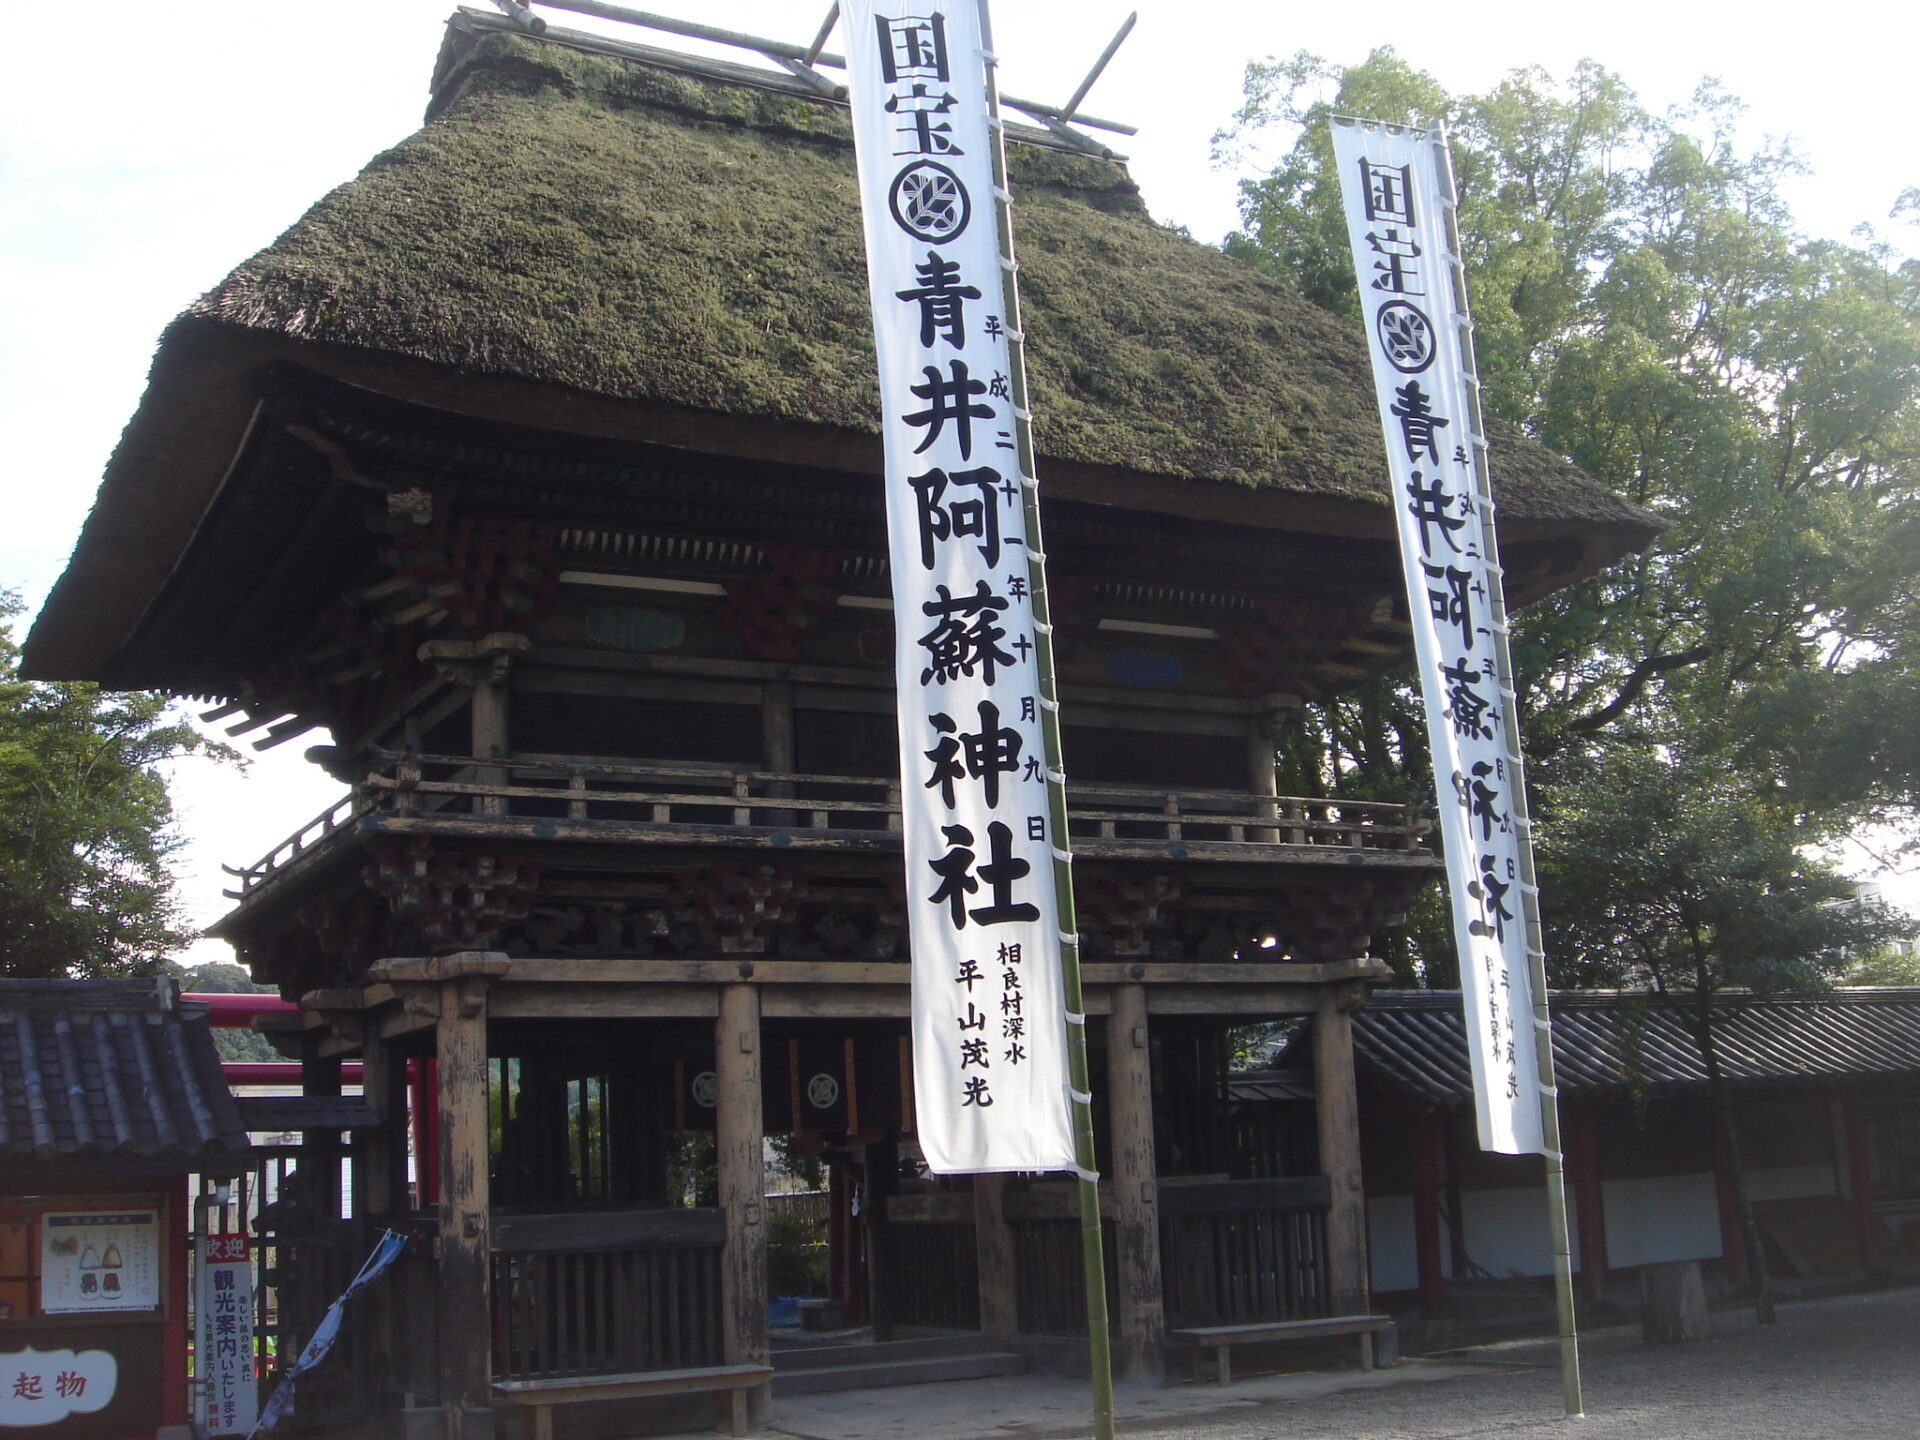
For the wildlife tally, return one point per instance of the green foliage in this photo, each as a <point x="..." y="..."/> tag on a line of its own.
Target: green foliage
<point x="219" y="977"/>
<point x="1645" y="305"/>
<point x="85" y="826"/>
<point x="796" y="1254"/>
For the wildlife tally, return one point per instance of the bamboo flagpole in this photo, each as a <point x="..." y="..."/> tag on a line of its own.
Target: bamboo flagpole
<point x="1001" y="1079"/>
<point x="1398" y="189"/>
<point x="1080" y="1096"/>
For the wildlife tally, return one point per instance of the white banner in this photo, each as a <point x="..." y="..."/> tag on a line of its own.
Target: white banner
<point x="228" y="1399"/>
<point x="1394" y="191"/>
<point x="989" y="1046"/>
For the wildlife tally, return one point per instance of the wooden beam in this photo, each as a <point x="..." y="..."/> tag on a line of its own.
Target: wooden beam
<point x="1337" y="1108"/>
<point x="1136" y="1191"/>
<point x="564" y="1002"/>
<point x="739" y="1131"/>
<point x="893" y="973"/>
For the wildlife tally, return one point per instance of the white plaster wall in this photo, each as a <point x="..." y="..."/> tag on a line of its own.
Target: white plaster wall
<point x="1395" y="1260"/>
<point x="1506" y="1230"/>
<point x="1792" y="1183"/>
<point x="1665" y="1217"/>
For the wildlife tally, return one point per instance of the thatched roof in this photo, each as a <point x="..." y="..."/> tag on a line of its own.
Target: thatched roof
<point x="578" y="241"/>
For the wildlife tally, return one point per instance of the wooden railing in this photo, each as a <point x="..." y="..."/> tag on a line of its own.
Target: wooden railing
<point x="336" y="818"/>
<point x="606" y="1293"/>
<point x="1237" y="1251"/>
<point x="609" y="797"/>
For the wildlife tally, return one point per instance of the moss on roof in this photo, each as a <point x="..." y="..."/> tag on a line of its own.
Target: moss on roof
<point x="635" y="233"/>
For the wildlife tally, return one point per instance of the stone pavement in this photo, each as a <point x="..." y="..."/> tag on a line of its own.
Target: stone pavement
<point x="1845" y="1367"/>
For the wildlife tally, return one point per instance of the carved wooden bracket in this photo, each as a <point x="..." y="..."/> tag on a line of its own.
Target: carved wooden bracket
<point x="455" y="899"/>
<point x="734" y="908"/>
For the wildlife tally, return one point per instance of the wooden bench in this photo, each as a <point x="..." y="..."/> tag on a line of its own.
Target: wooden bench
<point x="729" y="1384"/>
<point x="1220" y="1338"/>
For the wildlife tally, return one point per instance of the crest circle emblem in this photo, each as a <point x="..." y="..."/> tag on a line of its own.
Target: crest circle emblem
<point x="706" y="1089"/>
<point x="929" y="202"/>
<point x="1406" y="336"/>
<point x="822" y="1091"/>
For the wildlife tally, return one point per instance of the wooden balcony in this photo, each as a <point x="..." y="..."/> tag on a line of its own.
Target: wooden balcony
<point x="529" y="800"/>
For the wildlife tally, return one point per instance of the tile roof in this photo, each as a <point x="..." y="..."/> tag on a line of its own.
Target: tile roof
<point x="112" y="1074"/>
<point x="1607" y="1044"/>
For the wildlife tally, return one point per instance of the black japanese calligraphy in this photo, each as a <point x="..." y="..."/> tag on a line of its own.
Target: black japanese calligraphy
<point x="948" y="400"/>
<point x="965" y="637"/>
<point x="973" y="510"/>
<point x="1419" y="426"/>
<point x="984" y="755"/>
<point x="913" y="47"/>
<point x="942" y="301"/>
<point x="1387" y="192"/>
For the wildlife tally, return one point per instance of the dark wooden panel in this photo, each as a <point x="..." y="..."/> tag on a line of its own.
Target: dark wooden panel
<point x="606" y="1230"/>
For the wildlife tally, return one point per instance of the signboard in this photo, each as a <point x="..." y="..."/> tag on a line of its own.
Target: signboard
<point x="989" y="1047"/>
<point x="227" y="1399"/>
<point x="44" y="1387"/>
<point x="1398" y="197"/>
<point x="96" y="1261"/>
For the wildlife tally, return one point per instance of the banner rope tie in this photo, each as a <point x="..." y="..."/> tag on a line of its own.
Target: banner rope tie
<point x="1065" y="857"/>
<point x="1079" y="1097"/>
<point x="1074" y="1017"/>
<point x="1092" y="1177"/>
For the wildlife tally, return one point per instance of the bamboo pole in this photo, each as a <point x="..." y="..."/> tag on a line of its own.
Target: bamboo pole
<point x="1523" y="824"/>
<point x="1099" y="1339"/>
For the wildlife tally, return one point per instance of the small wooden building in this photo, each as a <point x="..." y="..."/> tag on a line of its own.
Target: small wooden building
<point x="1827" y="1107"/>
<point x="110" y="1097"/>
<point x="540" y="464"/>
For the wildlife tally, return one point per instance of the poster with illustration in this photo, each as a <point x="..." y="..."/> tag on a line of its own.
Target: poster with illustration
<point x="97" y="1260"/>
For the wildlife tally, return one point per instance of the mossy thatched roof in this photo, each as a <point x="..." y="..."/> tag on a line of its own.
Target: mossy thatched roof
<point x="595" y="246"/>
<point x="645" y="235"/>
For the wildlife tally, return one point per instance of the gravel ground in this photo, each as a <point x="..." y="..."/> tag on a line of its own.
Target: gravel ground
<point x="1845" y="1367"/>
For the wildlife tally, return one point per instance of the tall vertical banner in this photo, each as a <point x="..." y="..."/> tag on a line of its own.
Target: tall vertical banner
<point x="1398" y="195"/>
<point x="228" y="1400"/>
<point x="989" y="1043"/>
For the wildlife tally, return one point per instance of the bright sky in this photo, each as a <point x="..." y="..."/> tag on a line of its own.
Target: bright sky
<point x="146" y="149"/>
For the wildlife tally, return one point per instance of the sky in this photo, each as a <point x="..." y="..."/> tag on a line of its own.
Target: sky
<point x="147" y="149"/>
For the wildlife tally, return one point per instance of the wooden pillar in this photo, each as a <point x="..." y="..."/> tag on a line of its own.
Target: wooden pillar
<point x="1138" y="1306"/>
<point x="1262" y="731"/>
<point x="379" y="1154"/>
<point x="466" y="1331"/>
<point x="1733" y="1251"/>
<point x="1859" y="1174"/>
<point x="1337" y="1108"/>
<point x="739" y="1134"/>
<point x="882" y="1179"/>
<point x="993" y="1254"/>
<point x="320" y="1150"/>
<point x="1429" y="1135"/>
<point x="1583" y="1161"/>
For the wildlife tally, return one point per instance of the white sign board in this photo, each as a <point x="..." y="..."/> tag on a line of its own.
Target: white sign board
<point x="96" y="1261"/>
<point x="44" y="1387"/>
<point x="227" y="1399"/>
<point x="1394" y="188"/>
<point x="989" y="1046"/>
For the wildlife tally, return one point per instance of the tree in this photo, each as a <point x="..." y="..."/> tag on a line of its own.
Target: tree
<point x="85" y="826"/>
<point x="1678" y="881"/>
<point x="1702" y="720"/>
<point x="218" y="977"/>
<point x="1644" y="305"/>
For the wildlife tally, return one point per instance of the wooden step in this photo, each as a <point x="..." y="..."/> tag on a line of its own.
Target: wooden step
<point x="808" y="1354"/>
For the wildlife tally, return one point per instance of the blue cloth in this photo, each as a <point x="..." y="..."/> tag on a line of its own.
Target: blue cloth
<point x="324" y="1334"/>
